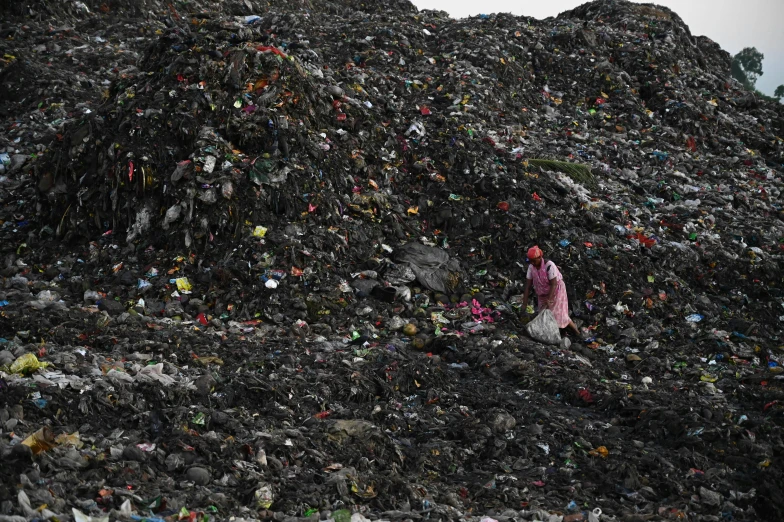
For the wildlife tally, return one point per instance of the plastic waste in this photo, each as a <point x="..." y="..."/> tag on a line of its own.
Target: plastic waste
<point x="40" y="441"/>
<point x="263" y="496"/>
<point x="611" y="135"/>
<point x="81" y="517"/>
<point x="544" y="328"/>
<point x="183" y="285"/>
<point x="27" y="364"/>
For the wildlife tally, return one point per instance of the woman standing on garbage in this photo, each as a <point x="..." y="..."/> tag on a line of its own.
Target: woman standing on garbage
<point x="550" y="288"/>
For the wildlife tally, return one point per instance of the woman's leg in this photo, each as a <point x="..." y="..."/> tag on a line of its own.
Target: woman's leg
<point x="574" y="327"/>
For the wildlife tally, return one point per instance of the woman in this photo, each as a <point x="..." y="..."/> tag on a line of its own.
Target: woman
<point x="549" y="286"/>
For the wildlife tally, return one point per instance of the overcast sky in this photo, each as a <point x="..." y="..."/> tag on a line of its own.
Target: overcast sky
<point x="733" y="24"/>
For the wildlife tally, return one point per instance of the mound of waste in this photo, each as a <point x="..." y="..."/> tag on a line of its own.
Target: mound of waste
<point x="263" y="260"/>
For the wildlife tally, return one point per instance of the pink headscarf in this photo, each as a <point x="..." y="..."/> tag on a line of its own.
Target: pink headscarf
<point x="535" y="252"/>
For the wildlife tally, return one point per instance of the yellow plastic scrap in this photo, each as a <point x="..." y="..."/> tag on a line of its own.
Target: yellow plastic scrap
<point x="259" y="231"/>
<point x="601" y="451"/>
<point x="40" y="441"/>
<point x="27" y="363"/>
<point x="73" y="439"/>
<point x="183" y="285"/>
<point x="206" y="361"/>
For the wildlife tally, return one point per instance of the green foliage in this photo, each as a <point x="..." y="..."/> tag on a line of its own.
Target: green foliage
<point x="577" y="171"/>
<point x="779" y="92"/>
<point x="747" y="67"/>
<point x="763" y="96"/>
<point x="737" y="72"/>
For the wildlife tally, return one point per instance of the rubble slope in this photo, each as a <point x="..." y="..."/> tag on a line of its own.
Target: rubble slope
<point x="270" y="254"/>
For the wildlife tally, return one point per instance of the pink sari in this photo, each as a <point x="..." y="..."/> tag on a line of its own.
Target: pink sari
<point x="541" y="283"/>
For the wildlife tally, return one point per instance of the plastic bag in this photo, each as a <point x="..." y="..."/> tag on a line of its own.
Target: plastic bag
<point x="264" y="496"/>
<point x="433" y="267"/>
<point x="81" y="517"/>
<point x="208" y="196"/>
<point x="155" y="373"/>
<point x="183" y="285"/>
<point x="172" y="215"/>
<point x="26" y="364"/>
<point x="40" y="441"/>
<point x="544" y="328"/>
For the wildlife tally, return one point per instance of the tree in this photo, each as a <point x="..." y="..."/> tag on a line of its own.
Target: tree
<point x="779" y="92"/>
<point x="747" y="66"/>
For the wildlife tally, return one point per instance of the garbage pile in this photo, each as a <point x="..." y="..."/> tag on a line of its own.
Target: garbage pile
<point x="263" y="260"/>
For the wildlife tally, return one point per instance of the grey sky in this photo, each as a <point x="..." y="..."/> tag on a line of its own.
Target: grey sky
<point x="733" y="24"/>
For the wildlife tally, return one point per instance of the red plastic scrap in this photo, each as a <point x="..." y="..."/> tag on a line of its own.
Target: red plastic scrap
<point x="271" y="49"/>
<point x="586" y="396"/>
<point x="648" y="242"/>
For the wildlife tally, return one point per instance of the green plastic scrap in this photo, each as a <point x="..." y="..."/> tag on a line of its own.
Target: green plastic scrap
<point x="342" y="515"/>
<point x="577" y="171"/>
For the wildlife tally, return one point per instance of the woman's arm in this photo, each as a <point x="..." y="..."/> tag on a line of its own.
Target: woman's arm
<point x="551" y="294"/>
<point x="525" y="293"/>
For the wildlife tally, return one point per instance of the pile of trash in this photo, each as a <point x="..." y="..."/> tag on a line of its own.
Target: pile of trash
<point x="263" y="260"/>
